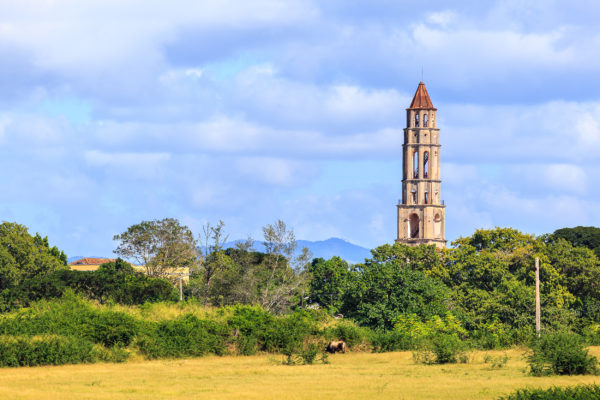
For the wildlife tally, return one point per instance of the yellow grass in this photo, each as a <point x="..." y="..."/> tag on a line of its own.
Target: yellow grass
<point x="348" y="376"/>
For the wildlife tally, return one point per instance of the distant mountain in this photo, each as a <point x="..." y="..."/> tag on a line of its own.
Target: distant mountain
<point x="324" y="249"/>
<point x="320" y="248"/>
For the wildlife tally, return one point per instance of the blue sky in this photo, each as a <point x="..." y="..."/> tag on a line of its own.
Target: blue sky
<point x="113" y="112"/>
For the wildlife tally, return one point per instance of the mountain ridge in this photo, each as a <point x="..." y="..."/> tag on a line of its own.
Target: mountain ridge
<point x="326" y="249"/>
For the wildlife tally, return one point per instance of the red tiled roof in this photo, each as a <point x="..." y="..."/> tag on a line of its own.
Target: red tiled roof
<point x="421" y="99"/>
<point x="92" y="261"/>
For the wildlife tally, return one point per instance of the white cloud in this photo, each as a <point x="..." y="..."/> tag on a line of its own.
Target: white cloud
<point x="442" y="18"/>
<point x="563" y="177"/>
<point x="274" y="171"/>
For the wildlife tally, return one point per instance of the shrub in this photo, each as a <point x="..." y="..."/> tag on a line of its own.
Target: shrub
<point x="110" y="328"/>
<point x="270" y="333"/>
<point x="591" y="334"/>
<point x="347" y="331"/>
<point x="560" y="353"/>
<point x="579" y="392"/>
<point x="441" y="349"/>
<point x="184" y="336"/>
<point x="307" y="354"/>
<point x="496" y="362"/>
<point x="392" y="340"/>
<point x="72" y="316"/>
<point x="16" y="351"/>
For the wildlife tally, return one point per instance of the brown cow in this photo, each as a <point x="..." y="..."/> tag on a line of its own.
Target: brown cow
<point x="338" y="345"/>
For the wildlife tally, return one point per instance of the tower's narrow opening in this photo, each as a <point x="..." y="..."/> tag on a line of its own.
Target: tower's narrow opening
<point x="437" y="225"/>
<point x="416" y="164"/>
<point x="426" y="165"/>
<point x="425" y="120"/>
<point x="413" y="222"/>
<point x="426" y="197"/>
<point x="417" y="120"/>
<point x="414" y="196"/>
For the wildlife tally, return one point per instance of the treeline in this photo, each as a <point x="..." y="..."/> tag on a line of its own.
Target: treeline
<point x="480" y="291"/>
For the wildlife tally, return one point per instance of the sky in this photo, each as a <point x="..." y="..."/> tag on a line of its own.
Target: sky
<point x="114" y="112"/>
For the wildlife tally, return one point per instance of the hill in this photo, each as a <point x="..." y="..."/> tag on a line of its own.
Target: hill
<point x="324" y="248"/>
<point x="320" y="248"/>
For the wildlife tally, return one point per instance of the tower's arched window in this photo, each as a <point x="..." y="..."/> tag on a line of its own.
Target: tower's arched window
<point x="437" y="225"/>
<point x="426" y="164"/>
<point x="425" y="120"/>
<point x="417" y="120"/>
<point x="413" y="194"/>
<point x="413" y="222"/>
<point x="426" y="197"/>
<point x="415" y="164"/>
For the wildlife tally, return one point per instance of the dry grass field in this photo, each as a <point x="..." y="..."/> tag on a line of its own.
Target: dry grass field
<point x="348" y="376"/>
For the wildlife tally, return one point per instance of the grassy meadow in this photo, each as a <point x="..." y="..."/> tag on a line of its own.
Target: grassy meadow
<point x="353" y="375"/>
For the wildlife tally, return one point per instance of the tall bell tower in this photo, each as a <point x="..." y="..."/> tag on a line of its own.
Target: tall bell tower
<point x="421" y="212"/>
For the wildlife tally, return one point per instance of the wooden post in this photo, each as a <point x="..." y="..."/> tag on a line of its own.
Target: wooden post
<point x="538" y="322"/>
<point x="180" y="288"/>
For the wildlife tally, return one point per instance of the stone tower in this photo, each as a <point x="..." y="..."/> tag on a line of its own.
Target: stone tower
<point x="421" y="212"/>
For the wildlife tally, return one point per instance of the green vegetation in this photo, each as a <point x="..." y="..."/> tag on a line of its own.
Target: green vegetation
<point x="580" y="236"/>
<point x="438" y="303"/>
<point x="579" y="392"/>
<point x="561" y="353"/>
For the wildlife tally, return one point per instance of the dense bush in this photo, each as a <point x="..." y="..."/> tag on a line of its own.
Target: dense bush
<point x="72" y="316"/>
<point x="349" y="332"/>
<point x="114" y="281"/>
<point x="579" y="392"/>
<point x="255" y="326"/>
<point x="560" y="353"/>
<point x="16" y="351"/>
<point x="182" y="337"/>
<point x="390" y="340"/>
<point x="441" y="349"/>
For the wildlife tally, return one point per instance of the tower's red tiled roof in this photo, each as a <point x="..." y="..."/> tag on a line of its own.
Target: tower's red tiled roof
<point x="91" y="261"/>
<point x="421" y="99"/>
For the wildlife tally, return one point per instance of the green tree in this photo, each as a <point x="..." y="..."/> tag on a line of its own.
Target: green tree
<point x="214" y="260"/>
<point x="328" y="283"/>
<point x="580" y="236"/>
<point x="384" y="287"/>
<point x="160" y="245"/>
<point x="23" y="256"/>
<point x="283" y="276"/>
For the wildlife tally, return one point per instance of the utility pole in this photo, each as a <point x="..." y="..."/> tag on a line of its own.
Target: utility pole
<point x="180" y="287"/>
<point x="538" y="322"/>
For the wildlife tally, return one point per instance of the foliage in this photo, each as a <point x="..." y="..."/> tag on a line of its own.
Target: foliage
<point x="383" y="287"/>
<point x="182" y="337"/>
<point x="23" y="256"/>
<point x="214" y="259"/>
<point x="580" y="236"/>
<point x="496" y="362"/>
<point x="72" y="316"/>
<point x="115" y="281"/>
<point x="329" y="282"/>
<point x="349" y="332"/>
<point x="16" y="351"/>
<point x="284" y="274"/>
<point x="390" y="340"/>
<point x="578" y="392"/>
<point x="560" y="353"/>
<point x="441" y="349"/>
<point x="308" y="354"/>
<point x="160" y="245"/>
